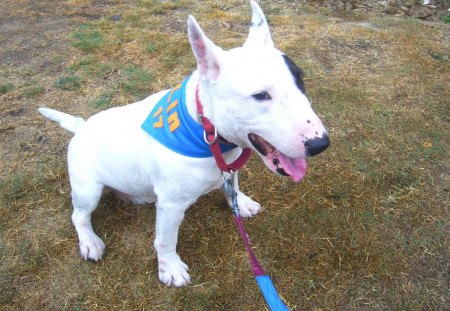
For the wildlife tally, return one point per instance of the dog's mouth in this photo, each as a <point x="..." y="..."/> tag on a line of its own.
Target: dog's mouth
<point x="277" y="161"/>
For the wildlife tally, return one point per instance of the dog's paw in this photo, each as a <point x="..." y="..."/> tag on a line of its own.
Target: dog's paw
<point x="247" y="207"/>
<point x="173" y="272"/>
<point x="91" y="247"/>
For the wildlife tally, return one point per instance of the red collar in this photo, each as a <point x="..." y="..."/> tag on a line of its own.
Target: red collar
<point x="212" y="139"/>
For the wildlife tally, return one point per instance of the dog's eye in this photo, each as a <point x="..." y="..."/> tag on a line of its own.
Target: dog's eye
<point x="262" y="96"/>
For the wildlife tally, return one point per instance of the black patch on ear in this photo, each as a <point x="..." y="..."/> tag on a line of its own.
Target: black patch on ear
<point x="296" y="72"/>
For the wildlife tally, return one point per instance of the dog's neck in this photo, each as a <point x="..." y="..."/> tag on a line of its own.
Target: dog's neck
<point x="190" y="96"/>
<point x="191" y="104"/>
<point x="193" y="84"/>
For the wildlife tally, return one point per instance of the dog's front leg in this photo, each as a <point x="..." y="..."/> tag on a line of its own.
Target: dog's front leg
<point x="247" y="207"/>
<point x="172" y="271"/>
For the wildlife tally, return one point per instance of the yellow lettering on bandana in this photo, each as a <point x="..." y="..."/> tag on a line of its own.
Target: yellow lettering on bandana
<point x="172" y="105"/>
<point x="174" y="122"/>
<point x="173" y="90"/>
<point x="159" y="123"/>
<point x="172" y="119"/>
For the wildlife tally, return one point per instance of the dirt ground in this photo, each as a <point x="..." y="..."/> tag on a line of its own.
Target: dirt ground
<point x="34" y="43"/>
<point x="369" y="229"/>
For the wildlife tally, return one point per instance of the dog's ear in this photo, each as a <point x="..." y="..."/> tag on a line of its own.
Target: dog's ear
<point x="204" y="50"/>
<point x="259" y="29"/>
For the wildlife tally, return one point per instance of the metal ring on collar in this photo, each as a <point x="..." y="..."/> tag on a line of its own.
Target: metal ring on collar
<point x="206" y="139"/>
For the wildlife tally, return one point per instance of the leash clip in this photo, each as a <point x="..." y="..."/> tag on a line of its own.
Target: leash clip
<point x="229" y="189"/>
<point x="205" y="137"/>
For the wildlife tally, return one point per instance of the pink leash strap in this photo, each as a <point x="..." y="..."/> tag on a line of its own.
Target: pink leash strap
<point x="256" y="267"/>
<point x="264" y="282"/>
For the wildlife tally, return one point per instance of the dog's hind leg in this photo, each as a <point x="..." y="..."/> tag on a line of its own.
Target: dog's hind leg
<point x="247" y="207"/>
<point x="85" y="197"/>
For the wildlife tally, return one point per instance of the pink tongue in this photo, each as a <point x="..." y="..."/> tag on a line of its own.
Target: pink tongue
<point x="296" y="168"/>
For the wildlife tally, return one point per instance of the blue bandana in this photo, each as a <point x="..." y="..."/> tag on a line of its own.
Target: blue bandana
<point x="170" y="123"/>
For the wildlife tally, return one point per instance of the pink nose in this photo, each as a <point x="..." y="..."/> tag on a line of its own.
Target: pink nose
<point x="316" y="145"/>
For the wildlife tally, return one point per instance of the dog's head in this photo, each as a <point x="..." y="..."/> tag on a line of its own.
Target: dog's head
<point x="255" y="97"/>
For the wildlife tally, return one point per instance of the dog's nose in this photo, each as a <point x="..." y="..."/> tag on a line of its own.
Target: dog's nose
<point x="317" y="145"/>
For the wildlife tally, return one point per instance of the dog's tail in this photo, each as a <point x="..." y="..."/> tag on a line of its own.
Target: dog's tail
<point x="67" y="121"/>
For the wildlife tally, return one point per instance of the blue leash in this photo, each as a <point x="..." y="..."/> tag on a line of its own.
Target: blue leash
<point x="264" y="282"/>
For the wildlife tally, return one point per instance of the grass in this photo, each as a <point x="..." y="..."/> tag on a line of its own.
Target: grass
<point x="103" y="102"/>
<point x="6" y="87"/>
<point x="13" y="188"/>
<point x="151" y="48"/>
<point x="33" y="89"/>
<point x="136" y="81"/>
<point x="87" y="38"/>
<point x="367" y="229"/>
<point x="68" y="82"/>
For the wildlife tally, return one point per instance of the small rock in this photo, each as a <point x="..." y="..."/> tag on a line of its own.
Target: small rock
<point x="116" y="17"/>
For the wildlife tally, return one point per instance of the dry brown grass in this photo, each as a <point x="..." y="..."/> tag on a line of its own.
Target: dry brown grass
<point x="366" y="230"/>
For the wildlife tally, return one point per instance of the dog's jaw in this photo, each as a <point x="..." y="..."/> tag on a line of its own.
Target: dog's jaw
<point x="276" y="161"/>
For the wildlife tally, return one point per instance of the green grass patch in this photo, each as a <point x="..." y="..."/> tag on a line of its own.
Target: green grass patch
<point x="90" y="66"/>
<point x="136" y="81"/>
<point x="87" y="38"/>
<point x="69" y="82"/>
<point x="82" y="64"/>
<point x="33" y="90"/>
<point x="172" y="51"/>
<point x="101" y="70"/>
<point x="6" y="87"/>
<point x="13" y="188"/>
<point x="151" y="48"/>
<point x="102" y="102"/>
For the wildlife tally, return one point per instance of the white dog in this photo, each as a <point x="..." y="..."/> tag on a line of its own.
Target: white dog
<point x="255" y="98"/>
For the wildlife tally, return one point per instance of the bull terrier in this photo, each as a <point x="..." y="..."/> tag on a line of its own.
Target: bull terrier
<point x="153" y="150"/>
